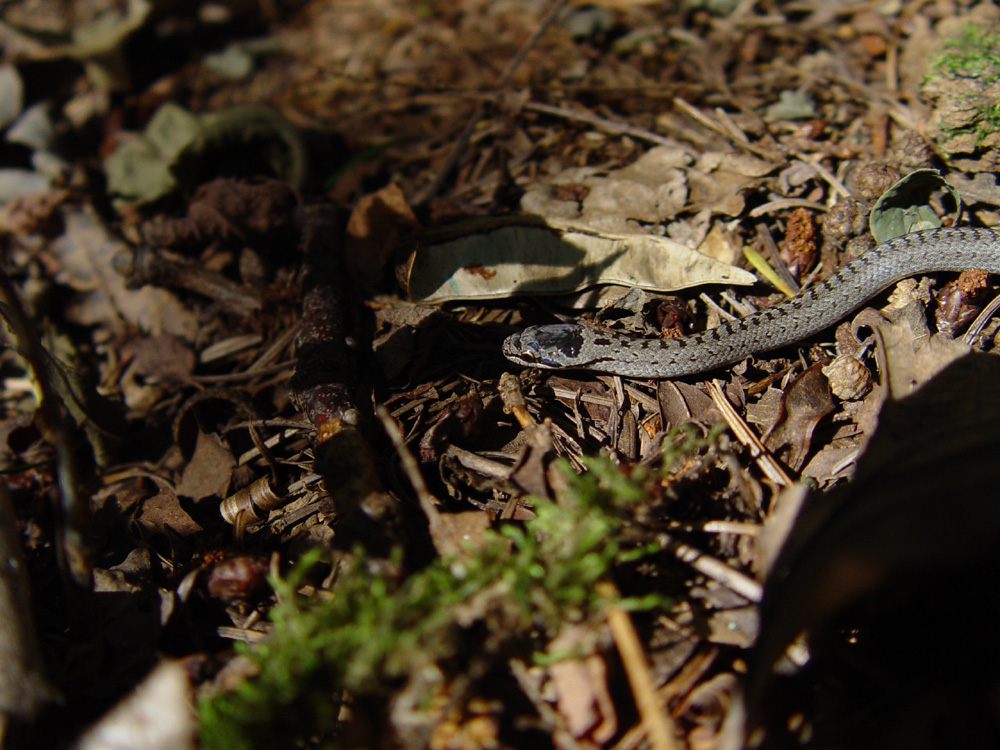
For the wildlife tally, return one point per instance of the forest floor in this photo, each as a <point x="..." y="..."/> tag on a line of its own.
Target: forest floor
<point x="271" y="482"/>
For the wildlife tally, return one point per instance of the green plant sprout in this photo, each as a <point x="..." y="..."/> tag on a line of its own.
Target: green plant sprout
<point x="368" y="638"/>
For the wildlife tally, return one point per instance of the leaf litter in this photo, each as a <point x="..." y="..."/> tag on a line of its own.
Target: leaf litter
<point x="492" y="559"/>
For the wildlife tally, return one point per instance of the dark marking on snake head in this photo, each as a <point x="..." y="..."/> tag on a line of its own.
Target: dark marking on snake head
<point x="564" y="338"/>
<point x="602" y="341"/>
<point x="545" y="346"/>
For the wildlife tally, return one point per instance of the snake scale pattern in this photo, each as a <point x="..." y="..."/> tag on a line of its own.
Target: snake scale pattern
<point x="568" y="346"/>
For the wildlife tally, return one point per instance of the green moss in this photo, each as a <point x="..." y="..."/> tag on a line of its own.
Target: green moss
<point x="975" y="55"/>
<point x="369" y="638"/>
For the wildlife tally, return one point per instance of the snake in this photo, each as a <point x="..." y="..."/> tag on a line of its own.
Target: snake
<point x="580" y="347"/>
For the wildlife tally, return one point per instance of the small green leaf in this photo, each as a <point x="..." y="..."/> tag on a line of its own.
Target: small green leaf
<point x="905" y="207"/>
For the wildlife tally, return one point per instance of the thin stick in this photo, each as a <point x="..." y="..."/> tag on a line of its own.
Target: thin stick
<point x="655" y="720"/>
<point x="428" y="503"/>
<point x="771" y="468"/>
<point x="614" y="127"/>
<point x="718" y="571"/>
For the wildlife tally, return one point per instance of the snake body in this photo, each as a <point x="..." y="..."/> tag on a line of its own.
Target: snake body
<point x="568" y="346"/>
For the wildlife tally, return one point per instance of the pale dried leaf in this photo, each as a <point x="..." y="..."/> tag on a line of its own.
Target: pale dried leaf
<point x="534" y="260"/>
<point x="580" y="686"/>
<point x="157" y="715"/>
<point x="84" y="255"/>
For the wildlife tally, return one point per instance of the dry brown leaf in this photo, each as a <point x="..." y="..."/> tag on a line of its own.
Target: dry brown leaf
<point x="208" y="472"/>
<point x="908" y="368"/>
<point x="580" y="686"/>
<point x="162" y="514"/>
<point x="374" y="230"/>
<point x="651" y="190"/>
<point x="163" y="359"/>
<point x="805" y="402"/>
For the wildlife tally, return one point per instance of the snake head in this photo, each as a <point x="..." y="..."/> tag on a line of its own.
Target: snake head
<point x="551" y="346"/>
